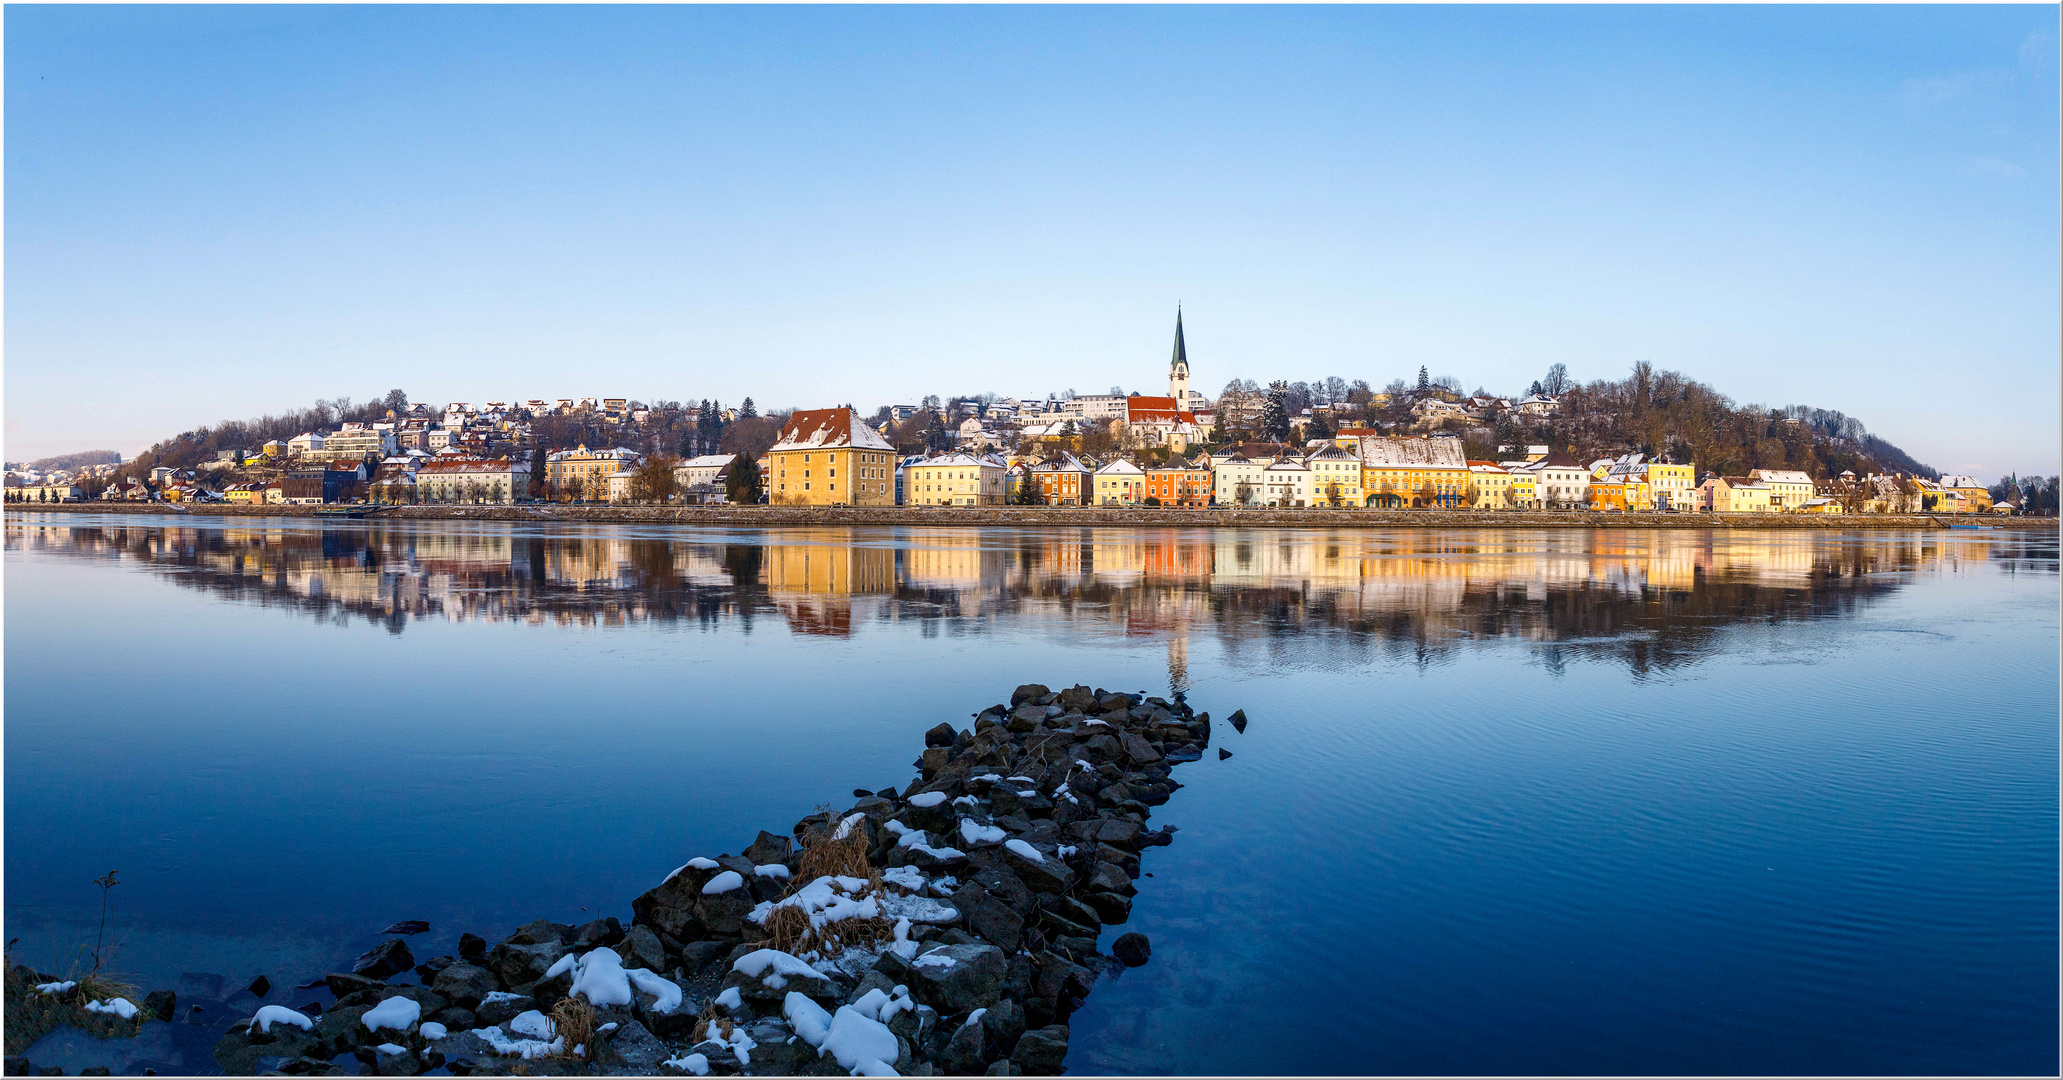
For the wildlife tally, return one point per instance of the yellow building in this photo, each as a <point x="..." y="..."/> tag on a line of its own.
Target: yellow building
<point x="1673" y="486"/>
<point x="583" y="473"/>
<point x="1413" y="472"/>
<point x="1521" y="493"/>
<point x="1335" y="477"/>
<point x="1788" y="488"/>
<point x="1490" y="486"/>
<point x="830" y="457"/>
<point x="953" y="480"/>
<point x="1976" y="498"/>
<point x="1735" y="495"/>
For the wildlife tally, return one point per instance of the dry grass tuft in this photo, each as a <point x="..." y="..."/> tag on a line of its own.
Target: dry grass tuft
<point x="786" y="927"/>
<point x="711" y="1027"/>
<point x="574" y="1020"/>
<point x="842" y="857"/>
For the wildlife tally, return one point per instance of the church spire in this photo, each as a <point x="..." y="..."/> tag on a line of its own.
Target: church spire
<point x="1181" y="360"/>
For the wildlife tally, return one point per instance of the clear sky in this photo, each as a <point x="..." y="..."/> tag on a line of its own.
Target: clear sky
<point x="214" y="213"/>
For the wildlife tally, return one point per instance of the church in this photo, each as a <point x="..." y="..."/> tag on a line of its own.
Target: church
<point x="1181" y="418"/>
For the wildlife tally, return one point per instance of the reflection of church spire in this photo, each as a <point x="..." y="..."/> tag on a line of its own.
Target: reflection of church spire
<point x="1178" y="661"/>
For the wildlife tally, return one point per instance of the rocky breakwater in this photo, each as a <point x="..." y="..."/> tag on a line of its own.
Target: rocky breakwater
<point x="947" y="928"/>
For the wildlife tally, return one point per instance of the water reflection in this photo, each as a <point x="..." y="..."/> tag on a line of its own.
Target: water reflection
<point x="1651" y="597"/>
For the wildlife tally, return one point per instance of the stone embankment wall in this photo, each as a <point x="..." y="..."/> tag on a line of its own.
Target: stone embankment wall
<point x="751" y="516"/>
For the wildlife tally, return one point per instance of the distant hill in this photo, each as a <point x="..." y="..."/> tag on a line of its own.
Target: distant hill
<point x="73" y="461"/>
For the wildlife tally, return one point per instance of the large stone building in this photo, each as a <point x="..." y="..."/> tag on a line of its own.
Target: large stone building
<point x="830" y="457"/>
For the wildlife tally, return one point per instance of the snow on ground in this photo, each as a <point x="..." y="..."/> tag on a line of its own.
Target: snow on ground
<point x="1024" y="849"/>
<point x="399" y="1013"/>
<point x="772" y="870"/>
<point x="666" y="990"/>
<point x="599" y="977"/>
<point x="697" y="864"/>
<point x="723" y="883"/>
<point x="390" y="1049"/>
<point x="975" y="833"/>
<point x="280" y="1014"/>
<point x="121" y="1007"/>
<point x="774" y="967"/>
<point x="502" y="1044"/>
<point x="730" y="999"/>
<point x="55" y="987"/>
<point x="927" y="798"/>
<point x="691" y="1063"/>
<point x="433" y="1030"/>
<point x="534" y="1024"/>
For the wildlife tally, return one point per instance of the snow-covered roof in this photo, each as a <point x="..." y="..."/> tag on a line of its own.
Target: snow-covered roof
<point x="1379" y="451"/>
<point x="706" y="461"/>
<point x="1960" y="481"/>
<point x="1783" y="476"/>
<point x="829" y="429"/>
<point x="1120" y="466"/>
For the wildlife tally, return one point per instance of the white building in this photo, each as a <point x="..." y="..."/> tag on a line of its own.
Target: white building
<point x="953" y="480"/>
<point x="1231" y="471"/>
<point x="1286" y="484"/>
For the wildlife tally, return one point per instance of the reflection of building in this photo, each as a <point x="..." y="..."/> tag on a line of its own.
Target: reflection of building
<point x="1246" y="589"/>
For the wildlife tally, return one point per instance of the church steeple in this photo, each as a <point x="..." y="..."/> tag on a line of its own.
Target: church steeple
<point x="1178" y="367"/>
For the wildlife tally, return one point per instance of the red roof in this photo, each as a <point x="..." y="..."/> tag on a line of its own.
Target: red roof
<point x="1143" y="409"/>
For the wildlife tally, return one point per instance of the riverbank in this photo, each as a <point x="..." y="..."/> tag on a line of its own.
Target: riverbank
<point x="950" y="927"/>
<point x="1073" y="517"/>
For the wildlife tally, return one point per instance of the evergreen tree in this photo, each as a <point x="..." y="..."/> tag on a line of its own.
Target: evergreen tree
<point x="748" y="411"/>
<point x="1423" y="382"/>
<point x="936" y="438"/>
<point x="1274" y="413"/>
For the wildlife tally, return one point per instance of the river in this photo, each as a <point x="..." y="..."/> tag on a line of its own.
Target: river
<point x="1511" y="800"/>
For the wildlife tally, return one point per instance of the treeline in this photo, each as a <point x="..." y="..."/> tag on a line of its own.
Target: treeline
<point x="75" y="461"/>
<point x="190" y="448"/>
<point x="1657" y="413"/>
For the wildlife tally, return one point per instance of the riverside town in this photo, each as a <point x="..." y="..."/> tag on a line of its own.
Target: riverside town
<point x="1655" y="441"/>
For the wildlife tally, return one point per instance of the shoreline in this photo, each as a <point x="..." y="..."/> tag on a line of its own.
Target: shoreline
<point x="949" y="928"/>
<point x="1074" y="517"/>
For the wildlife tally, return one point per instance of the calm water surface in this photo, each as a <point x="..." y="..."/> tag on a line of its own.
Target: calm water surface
<point x="1511" y="801"/>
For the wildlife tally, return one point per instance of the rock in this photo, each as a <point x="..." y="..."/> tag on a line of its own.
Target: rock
<point x="988" y="918"/>
<point x="340" y="1030"/>
<point x="343" y="986"/>
<point x="160" y="1003"/>
<point x="1223" y="753"/>
<point x="456" y="1018"/>
<point x="1238" y="720"/>
<point x="635" y="1048"/>
<point x="933" y="760"/>
<point x="1027" y="692"/>
<point x="260" y="986"/>
<point x="1109" y="878"/>
<point x="962" y="1053"/>
<point x="958" y="978"/>
<point x="1045" y="874"/>
<point x="1139" y="750"/>
<point x="551" y="991"/>
<point x="605" y="931"/>
<point x="500" y="1008"/>
<point x="1002" y="1067"/>
<point x="514" y="963"/>
<point x="384" y="961"/>
<point x="17" y="1065"/>
<point x="777" y="973"/>
<point x="411" y="926"/>
<point x="464" y="983"/>
<point x="1112" y="908"/>
<point x="1041" y="1052"/>
<point x="697" y="955"/>
<point x="640" y="948"/>
<point x="1004" y="1025"/>
<point x="1078" y="697"/>
<point x="1112" y="831"/>
<point x="769" y="848"/>
<point x="942" y="735"/>
<point x="472" y="947"/>
<point x="1160" y="837"/>
<point x="541" y="931"/>
<point x="428" y="969"/>
<point x="1133" y="948"/>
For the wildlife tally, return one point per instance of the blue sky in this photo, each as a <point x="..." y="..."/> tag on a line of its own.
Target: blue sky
<point x="214" y="213"/>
